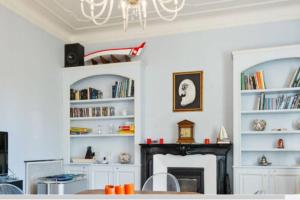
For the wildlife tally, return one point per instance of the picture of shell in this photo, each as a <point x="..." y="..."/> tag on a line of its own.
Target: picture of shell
<point x="259" y="124"/>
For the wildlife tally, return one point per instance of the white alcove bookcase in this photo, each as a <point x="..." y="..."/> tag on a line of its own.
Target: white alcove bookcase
<point x="278" y="65"/>
<point x="109" y="142"/>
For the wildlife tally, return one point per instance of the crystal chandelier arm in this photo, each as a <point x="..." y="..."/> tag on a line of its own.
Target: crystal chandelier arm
<point x="178" y="8"/>
<point x="102" y="10"/>
<point x="163" y="17"/>
<point x="98" y="4"/>
<point x="82" y="9"/>
<point x="107" y="17"/>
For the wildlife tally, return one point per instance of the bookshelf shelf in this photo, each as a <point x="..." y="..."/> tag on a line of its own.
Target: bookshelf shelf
<point x="269" y="132"/>
<point x="255" y="70"/>
<point x="278" y="90"/>
<point x="105" y="98"/>
<point x="282" y="111"/>
<point x="271" y="150"/>
<point x="92" y="101"/>
<point x="102" y="118"/>
<point x="102" y="135"/>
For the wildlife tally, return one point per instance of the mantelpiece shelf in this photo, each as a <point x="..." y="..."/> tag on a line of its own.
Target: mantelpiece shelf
<point x="270" y="111"/>
<point x="278" y="90"/>
<point x="102" y="135"/>
<point x="101" y="100"/>
<point x="271" y="150"/>
<point x="101" y="118"/>
<point x="269" y="132"/>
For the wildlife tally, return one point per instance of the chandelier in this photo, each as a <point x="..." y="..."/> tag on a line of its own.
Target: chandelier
<point x="99" y="11"/>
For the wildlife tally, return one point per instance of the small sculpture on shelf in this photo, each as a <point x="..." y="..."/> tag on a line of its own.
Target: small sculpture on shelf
<point x="259" y="124"/>
<point x="89" y="154"/>
<point x="280" y="144"/>
<point x="263" y="161"/>
<point x="124" y="158"/>
<point x="297" y="124"/>
<point x="223" y="136"/>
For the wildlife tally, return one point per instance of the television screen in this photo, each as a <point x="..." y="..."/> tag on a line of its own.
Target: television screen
<point x="3" y="153"/>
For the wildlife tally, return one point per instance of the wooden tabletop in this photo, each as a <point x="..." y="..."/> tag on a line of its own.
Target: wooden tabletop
<point x="93" y="192"/>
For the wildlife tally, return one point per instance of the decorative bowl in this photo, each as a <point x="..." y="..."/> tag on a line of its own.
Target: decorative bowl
<point x="259" y="124"/>
<point x="124" y="158"/>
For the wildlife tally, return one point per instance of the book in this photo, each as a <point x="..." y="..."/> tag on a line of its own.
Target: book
<point x="254" y="81"/>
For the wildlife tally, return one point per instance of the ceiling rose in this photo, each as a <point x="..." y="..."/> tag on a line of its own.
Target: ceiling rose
<point x="99" y="11"/>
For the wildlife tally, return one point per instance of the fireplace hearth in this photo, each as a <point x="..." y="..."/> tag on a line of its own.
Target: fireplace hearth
<point x="190" y="179"/>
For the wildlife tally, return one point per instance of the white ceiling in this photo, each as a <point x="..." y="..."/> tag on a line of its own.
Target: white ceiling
<point x="63" y="18"/>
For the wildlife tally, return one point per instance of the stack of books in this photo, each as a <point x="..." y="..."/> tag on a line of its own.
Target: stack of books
<point x="253" y="82"/>
<point x="123" y="89"/>
<point x="295" y="81"/>
<point x="278" y="103"/>
<point x="92" y="112"/>
<point x="85" y="94"/>
<point x="126" y="129"/>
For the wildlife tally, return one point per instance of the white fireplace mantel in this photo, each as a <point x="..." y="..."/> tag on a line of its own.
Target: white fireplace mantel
<point x="208" y="162"/>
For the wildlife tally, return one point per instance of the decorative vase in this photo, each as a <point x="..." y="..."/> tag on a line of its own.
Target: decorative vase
<point x="259" y="124"/>
<point x="124" y="158"/>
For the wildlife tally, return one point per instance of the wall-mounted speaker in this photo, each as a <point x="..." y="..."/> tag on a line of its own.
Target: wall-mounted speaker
<point x="74" y="55"/>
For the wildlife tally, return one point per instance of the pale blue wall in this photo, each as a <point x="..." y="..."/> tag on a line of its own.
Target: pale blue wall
<point x="30" y="97"/>
<point x="209" y="51"/>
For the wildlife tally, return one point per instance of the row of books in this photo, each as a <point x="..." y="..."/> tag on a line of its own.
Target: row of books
<point x="85" y="94"/>
<point x="123" y="89"/>
<point x="253" y="82"/>
<point x="295" y="81"/>
<point x="92" y="112"/>
<point x="278" y="103"/>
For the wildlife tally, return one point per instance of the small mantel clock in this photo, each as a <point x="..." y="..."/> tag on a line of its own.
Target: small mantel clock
<point x="185" y="132"/>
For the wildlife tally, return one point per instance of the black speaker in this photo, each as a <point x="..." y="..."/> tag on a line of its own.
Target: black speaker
<point x="74" y="55"/>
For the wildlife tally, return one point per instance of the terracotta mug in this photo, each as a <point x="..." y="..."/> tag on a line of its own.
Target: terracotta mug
<point x="129" y="188"/>
<point x="119" y="189"/>
<point x="109" y="189"/>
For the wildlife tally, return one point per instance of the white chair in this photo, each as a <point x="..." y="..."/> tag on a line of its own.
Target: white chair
<point x="9" y="189"/>
<point x="163" y="182"/>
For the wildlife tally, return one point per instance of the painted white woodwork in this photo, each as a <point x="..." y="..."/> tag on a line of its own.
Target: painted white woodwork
<point x="278" y="64"/>
<point x="267" y="180"/>
<point x="208" y="162"/>
<point x="100" y="175"/>
<point x="104" y="144"/>
<point x="103" y="77"/>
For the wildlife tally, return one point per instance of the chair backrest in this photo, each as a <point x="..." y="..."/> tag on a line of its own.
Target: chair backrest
<point x="9" y="189"/>
<point x="165" y="182"/>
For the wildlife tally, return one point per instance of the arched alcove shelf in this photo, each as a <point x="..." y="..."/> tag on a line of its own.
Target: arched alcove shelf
<point x="278" y="66"/>
<point x="127" y="111"/>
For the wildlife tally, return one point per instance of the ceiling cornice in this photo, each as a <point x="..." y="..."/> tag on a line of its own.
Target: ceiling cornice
<point x="197" y="23"/>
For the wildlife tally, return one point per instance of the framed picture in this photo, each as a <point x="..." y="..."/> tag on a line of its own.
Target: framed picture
<point x="188" y="91"/>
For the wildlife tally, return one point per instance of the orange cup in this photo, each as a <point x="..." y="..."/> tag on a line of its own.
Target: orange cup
<point x="109" y="189"/>
<point x="119" y="189"/>
<point x="129" y="188"/>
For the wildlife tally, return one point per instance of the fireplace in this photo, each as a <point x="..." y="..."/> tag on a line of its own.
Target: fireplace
<point x="208" y="162"/>
<point x="190" y="179"/>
